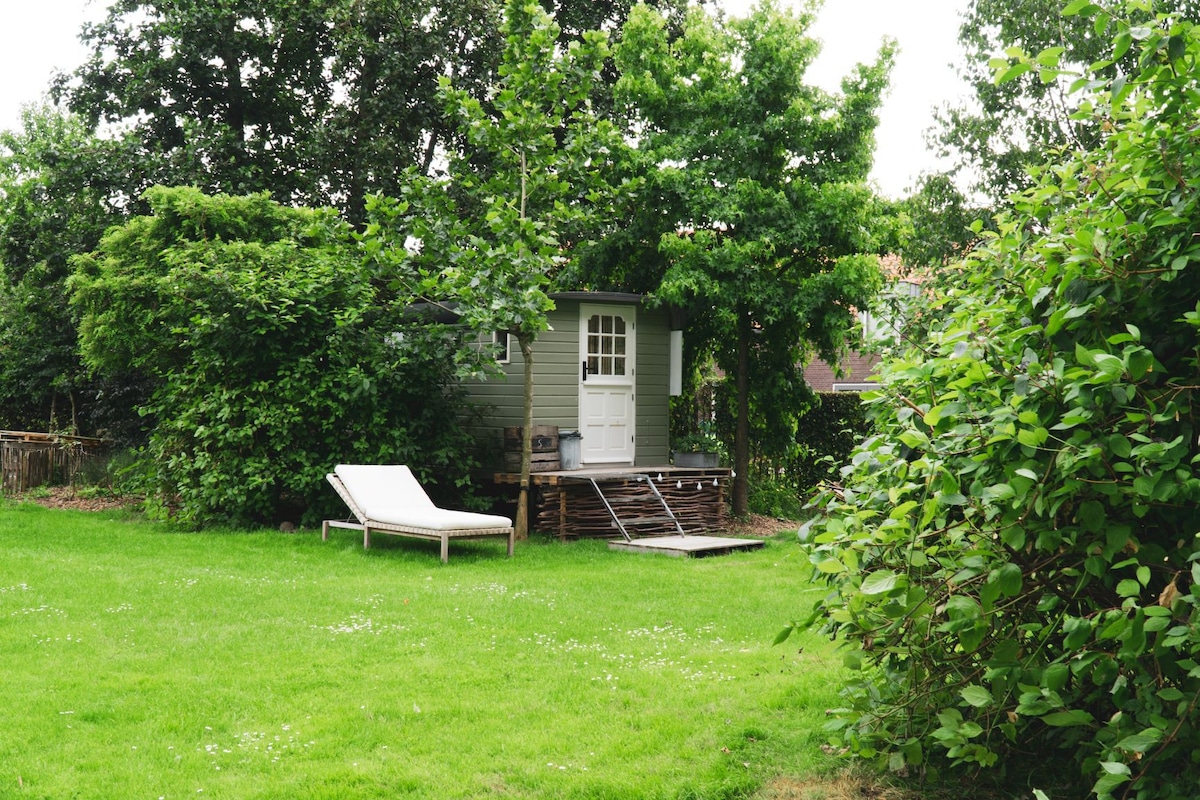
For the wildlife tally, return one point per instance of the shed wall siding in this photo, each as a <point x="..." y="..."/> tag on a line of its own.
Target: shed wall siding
<point x="653" y="387"/>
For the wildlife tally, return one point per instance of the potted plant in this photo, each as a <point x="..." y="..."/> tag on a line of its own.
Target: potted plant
<point x="700" y="449"/>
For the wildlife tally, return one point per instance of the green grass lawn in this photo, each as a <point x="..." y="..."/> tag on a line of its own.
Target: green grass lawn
<point x="139" y="661"/>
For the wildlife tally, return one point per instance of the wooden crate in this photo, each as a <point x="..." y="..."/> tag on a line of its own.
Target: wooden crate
<point x="544" y="456"/>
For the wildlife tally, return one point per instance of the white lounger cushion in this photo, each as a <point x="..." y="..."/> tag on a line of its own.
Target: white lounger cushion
<point x="390" y="494"/>
<point x="437" y="519"/>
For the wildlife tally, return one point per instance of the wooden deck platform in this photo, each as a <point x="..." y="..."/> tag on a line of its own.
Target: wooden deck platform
<point x="565" y="504"/>
<point x="679" y="546"/>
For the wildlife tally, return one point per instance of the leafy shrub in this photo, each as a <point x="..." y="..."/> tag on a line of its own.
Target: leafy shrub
<point x="827" y="435"/>
<point x="783" y="479"/>
<point x="1014" y="560"/>
<point x="773" y="496"/>
<point x="272" y="355"/>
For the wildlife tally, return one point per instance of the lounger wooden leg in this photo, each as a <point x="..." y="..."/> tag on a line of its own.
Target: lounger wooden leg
<point x="445" y="549"/>
<point x="366" y="538"/>
<point x="325" y="530"/>
<point x="511" y="538"/>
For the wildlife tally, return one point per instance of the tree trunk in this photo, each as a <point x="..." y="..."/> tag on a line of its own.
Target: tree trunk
<point x="741" y="432"/>
<point x="522" y="521"/>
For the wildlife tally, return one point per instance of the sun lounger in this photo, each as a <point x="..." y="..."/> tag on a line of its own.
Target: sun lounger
<point x="388" y="499"/>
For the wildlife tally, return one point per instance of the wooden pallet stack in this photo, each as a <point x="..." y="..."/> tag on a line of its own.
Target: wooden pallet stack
<point x="569" y="508"/>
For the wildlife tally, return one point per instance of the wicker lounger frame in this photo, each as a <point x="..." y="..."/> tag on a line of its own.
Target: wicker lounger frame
<point x="366" y="526"/>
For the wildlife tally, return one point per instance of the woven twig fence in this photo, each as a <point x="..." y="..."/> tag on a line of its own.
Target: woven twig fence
<point x="570" y="509"/>
<point x="29" y="460"/>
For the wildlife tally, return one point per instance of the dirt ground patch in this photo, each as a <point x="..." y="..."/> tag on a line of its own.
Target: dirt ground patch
<point x="71" y="497"/>
<point x="762" y="527"/>
<point x="845" y="787"/>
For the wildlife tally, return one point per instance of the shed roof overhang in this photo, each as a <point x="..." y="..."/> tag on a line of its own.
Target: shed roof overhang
<point x="678" y="318"/>
<point x="599" y="297"/>
<point x="446" y="313"/>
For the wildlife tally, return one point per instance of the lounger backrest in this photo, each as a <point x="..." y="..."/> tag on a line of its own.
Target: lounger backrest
<point x="382" y="486"/>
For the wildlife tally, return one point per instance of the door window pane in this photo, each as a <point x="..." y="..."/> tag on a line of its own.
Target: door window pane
<point x="606" y="344"/>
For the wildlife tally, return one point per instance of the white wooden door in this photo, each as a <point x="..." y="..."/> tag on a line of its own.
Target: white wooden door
<point x="607" y="349"/>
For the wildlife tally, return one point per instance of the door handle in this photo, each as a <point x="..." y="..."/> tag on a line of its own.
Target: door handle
<point x="585" y="370"/>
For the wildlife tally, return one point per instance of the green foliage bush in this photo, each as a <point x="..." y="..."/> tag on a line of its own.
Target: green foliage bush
<point x="1013" y="561"/>
<point x="827" y="435"/>
<point x="787" y="463"/>
<point x="272" y="355"/>
<point x="785" y="474"/>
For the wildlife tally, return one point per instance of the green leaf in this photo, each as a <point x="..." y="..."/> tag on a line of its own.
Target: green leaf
<point x="1141" y="742"/>
<point x="951" y="718"/>
<point x="977" y="696"/>
<point x="1091" y="516"/>
<point x="970" y="729"/>
<point x="1119" y="88"/>
<point x="1107" y="783"/>
<point x="1121" y="45"/>
<point x="1120" y="446"/>
<point x="1109" y="365"/>
<point x="962" y="607"/>
<point x="1008" y="579"/>
<point x="1176" y="47"/>
<point x="1140" y="363"/>
<point x="1129" y="588"/>
<point x="914" y="440"/>
<point x="831" y="566"/>
<point x="1032" y="437"/>
<point x="999" y="492"/>
<point x="1013" y="72"/>
<point x="1067" y="719"/>
<point x="880" y="582"/>
<point x="1050" y="56"/>
<point x="1055" y="677"/>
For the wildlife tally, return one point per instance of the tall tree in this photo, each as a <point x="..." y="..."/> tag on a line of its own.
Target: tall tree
<point x="60" y="187"/>
<point x="756" y="214"/>
<point x="321" y="102"/>
<point x="317" y="102"/>
<point x="494" y="236"/>
<point x="1028" y="119"/>
<point x="940" y="223"/>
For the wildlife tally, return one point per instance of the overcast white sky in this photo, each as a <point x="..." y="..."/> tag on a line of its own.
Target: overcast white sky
<point x="40" y="36"/>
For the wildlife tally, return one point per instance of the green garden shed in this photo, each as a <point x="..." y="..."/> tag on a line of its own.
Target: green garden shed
<point x="606" y="368"/>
